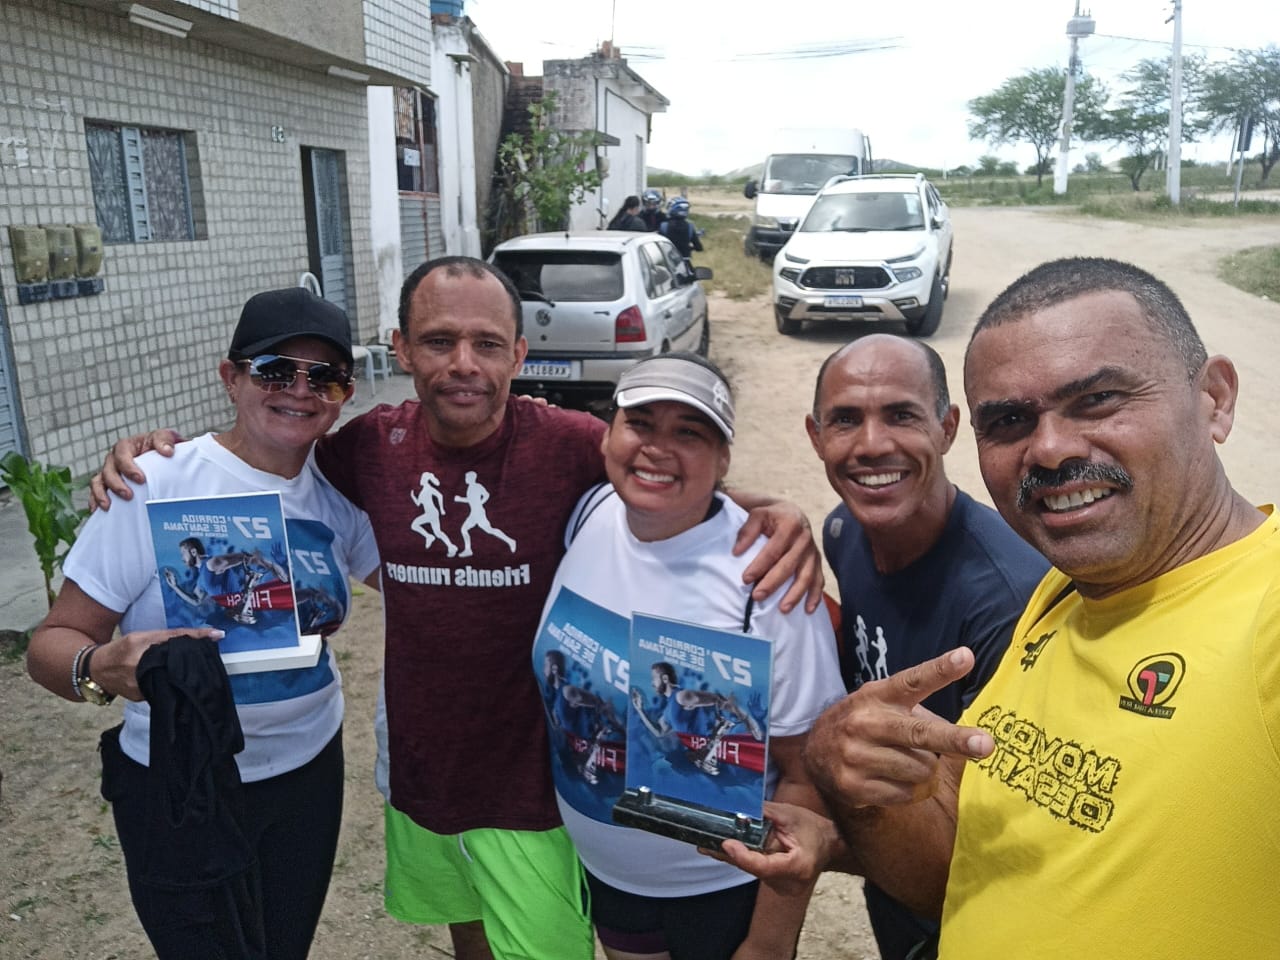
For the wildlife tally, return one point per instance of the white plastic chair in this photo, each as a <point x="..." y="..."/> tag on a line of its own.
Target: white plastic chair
<point x="375" y="356"/>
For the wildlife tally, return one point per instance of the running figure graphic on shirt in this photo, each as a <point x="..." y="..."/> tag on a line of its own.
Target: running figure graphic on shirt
<point x="589" y="722"/>
<point x="882" y="650"/>
<point x="431" y="500"/>
<point x="862" y="648"/>
<point x="476" y="497"/>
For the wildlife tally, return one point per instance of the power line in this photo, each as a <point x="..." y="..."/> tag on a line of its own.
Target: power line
<point x="811" y="51"/>
<point x="1169" y="43"/>
<point x="819" y="51"/>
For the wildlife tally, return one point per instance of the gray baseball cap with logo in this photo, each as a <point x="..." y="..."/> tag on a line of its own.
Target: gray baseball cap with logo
<point x="670" y="377"/>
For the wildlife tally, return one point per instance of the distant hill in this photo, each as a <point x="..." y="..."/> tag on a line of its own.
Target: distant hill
<point x="753" y="172"/>
<point x="894" y="166"/>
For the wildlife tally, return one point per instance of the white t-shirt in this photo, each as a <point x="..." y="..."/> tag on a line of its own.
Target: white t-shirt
<point x="287" y="715"/>
<point x="692" y="577"/>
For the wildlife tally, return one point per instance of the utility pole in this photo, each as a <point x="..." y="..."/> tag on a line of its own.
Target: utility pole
<point x="1078" y="26"/>
<point x="1244" y="136"/>
<point x="1173" y="175"/>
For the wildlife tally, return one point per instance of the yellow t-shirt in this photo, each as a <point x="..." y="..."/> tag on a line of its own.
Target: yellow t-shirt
<point x="1132" y="805"/>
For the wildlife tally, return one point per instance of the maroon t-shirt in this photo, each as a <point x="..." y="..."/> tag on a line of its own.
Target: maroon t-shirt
<point x="464" y="716"/>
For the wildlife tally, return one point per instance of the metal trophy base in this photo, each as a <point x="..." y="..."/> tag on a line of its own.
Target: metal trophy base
<point x="690" y="822"/>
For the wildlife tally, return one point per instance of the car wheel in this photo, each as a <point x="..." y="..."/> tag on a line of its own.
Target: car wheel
<point x="786" y="326"/>
<point x="946" y="278"/>
<point x="704" y="342"/>
<point x="932" y="315"/>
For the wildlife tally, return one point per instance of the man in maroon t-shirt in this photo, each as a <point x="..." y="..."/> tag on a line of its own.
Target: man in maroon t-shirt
<point x="473" y="833"/>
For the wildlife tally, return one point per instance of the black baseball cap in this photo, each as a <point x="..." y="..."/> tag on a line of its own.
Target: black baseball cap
<point x="278" y="315"/>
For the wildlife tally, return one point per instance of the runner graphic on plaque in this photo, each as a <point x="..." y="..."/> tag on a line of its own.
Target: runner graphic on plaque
<point x="223" y="562"/>
<point x="676" y="744"/>
<point x="697" y="732"/>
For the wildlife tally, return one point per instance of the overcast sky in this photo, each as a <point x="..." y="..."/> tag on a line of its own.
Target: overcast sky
<point x="735" y="71"/>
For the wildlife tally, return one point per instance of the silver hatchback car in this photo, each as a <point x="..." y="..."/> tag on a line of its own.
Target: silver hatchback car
<point x="596" y="302"/>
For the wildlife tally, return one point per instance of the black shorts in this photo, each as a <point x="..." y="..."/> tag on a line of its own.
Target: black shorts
<point x="271" y="909"/>
<point x="708" y="926"/>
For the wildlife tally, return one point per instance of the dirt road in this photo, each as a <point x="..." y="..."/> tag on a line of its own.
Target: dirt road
<point x="773" y="375"/>
<point x="62" y="888"/>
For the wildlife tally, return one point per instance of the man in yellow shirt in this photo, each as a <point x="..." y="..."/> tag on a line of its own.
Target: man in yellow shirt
<point x="1113" y="788"/>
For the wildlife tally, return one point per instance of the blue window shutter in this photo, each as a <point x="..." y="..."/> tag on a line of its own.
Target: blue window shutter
<point x="136" y="183"/>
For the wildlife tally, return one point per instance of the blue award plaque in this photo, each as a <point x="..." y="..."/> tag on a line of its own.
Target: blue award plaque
<point x="697" y="733"/>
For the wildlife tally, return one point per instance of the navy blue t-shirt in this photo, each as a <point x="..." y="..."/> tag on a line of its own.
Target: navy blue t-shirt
<point x="969" y="590"/>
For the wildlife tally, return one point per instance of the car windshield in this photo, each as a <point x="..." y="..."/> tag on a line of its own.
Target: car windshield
<point x="563" y="275"/>
<point x="803" y="172"/>
<point x="861" y="212"/>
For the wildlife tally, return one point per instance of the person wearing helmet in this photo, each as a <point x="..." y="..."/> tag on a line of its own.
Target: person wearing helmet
<point x="680" y="230"/>
<point x="651" y="213"/>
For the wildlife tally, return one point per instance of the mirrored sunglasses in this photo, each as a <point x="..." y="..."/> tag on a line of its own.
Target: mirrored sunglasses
<point x="273" y="373"/>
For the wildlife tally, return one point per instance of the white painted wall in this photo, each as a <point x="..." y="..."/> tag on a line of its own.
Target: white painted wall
<point x="626" y="171"/>
<point x="451" y="82"/>
<point x="384" y="206"/>
<point x="616" y="116"/>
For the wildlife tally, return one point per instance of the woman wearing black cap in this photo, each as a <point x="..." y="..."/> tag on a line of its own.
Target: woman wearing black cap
<point x="216" y="869"/>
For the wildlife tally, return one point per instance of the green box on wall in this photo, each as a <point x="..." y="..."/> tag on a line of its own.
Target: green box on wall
<point x="62" y="252"/>
<point x="30" y="253"/>
<point x="88" y="249"/>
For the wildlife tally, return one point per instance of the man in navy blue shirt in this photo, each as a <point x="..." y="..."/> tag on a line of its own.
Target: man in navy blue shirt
<point x="922" y="567"/>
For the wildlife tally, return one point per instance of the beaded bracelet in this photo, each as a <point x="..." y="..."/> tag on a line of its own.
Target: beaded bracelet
<point x="75" y="668"/>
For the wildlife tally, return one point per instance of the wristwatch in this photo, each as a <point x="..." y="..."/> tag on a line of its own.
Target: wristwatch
<point x="89" y="688"/>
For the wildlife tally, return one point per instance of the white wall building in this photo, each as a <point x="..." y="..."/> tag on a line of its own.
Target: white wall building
<point x="602" y="94"/>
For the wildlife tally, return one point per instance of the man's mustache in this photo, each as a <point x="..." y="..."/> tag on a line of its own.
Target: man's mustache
<point x="1074" y="471"/>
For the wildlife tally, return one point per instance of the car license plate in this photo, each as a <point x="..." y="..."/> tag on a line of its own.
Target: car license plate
<point x="844" y="300"/>
<point x="550" y="370"/>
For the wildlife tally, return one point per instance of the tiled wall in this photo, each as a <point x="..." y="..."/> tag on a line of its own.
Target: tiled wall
<point x="397" y="38"/>
<point x="222" y="8"/>
<point x="144" y="352"/>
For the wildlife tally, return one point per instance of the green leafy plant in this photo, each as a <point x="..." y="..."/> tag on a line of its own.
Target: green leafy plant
<point x="52" y="517"/>
<point x="542" y="174"/>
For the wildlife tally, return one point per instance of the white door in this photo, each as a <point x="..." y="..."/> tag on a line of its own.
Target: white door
<point x="326" y="223"/>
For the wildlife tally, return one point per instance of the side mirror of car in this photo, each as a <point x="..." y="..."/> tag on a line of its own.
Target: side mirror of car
<point x="703" y="273"/>
<point x="749" y="190"/>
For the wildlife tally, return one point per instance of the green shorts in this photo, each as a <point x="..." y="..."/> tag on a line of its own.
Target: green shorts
<point x="527" y="886"/>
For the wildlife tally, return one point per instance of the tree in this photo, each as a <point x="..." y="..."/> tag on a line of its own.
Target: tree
<point x="543" y="173"/>
<point x="1248" y="86"/>
<point x="1140" y="121"/>
<point x="1028" y="109"/>
<point x="990" y="165"/>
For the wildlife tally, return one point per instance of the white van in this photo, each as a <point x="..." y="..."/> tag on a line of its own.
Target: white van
<point x="802" y="161"/>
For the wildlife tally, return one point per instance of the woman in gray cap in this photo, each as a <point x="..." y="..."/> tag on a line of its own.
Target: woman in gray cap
<point x="232" y="858"/>
<point x="658" y="539"/>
